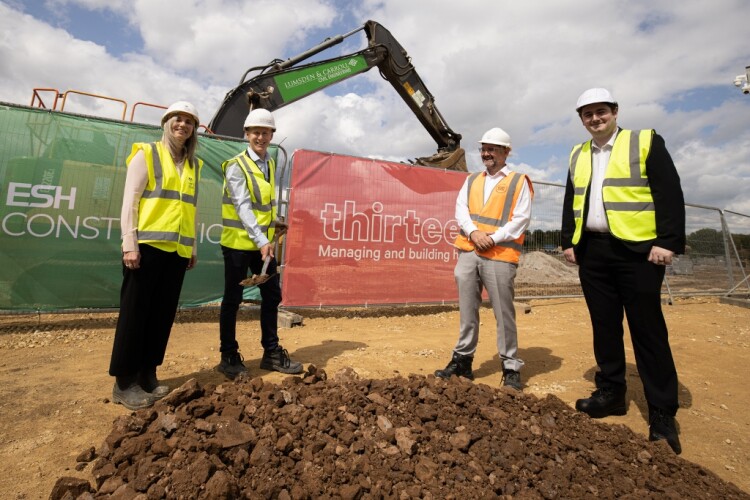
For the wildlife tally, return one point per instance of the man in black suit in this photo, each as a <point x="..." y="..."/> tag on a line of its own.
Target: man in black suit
<point x="623" y="221"/>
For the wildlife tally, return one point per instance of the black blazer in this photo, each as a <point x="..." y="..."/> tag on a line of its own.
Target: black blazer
<point x="668" y="202"/>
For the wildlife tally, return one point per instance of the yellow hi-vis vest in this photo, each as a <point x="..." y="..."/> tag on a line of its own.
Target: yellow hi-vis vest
<point x="494" y="214"/>
<point x="626" y="193"/>
<point x="166" y="213"/>
<point x="262" y="198"/>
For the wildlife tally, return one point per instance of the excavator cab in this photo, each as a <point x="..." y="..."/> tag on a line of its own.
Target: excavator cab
<point x="282" y="82"/>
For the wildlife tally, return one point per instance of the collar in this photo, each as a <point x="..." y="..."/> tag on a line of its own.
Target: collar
<point x="607" y="145"/>
<point x="254" y="156"/>
<point x="500" y="173"/>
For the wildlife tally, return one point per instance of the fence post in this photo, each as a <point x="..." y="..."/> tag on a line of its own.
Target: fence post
<point x="727" y="242"/>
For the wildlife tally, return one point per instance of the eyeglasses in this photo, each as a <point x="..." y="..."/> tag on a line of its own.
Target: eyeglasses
<point x="490" y="149"/>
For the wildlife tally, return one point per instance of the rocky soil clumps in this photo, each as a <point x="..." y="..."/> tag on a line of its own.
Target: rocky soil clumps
<point x="349" y="438"/>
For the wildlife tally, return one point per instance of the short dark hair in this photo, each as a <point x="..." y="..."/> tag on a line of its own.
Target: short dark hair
<point x="612" y="106"/>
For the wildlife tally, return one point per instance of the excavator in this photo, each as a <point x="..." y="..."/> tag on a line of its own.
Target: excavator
<point x="279" y="83"/>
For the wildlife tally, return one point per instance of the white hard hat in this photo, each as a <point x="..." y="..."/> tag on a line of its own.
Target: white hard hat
<point x="592" y="96"/>
<point x="181" y="107"/>
<point x="496" y="136"/>
<point x="260" y="117"/>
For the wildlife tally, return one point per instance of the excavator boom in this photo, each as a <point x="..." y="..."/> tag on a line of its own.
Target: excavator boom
<point x="283" y="82"/>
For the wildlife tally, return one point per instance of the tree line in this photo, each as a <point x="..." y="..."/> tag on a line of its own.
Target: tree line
<point x="704" y="242"/>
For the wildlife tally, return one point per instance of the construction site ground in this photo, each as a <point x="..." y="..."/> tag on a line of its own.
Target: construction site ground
<point x="55" y="392"/>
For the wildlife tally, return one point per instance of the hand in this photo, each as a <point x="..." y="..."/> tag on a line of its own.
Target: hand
<point x="660" y="256"/>
<point x="132" y="260"/>
<point x="570" y="255"/>
<point x="281" y="228"/>
<point x="482" y="240"/>
<point x="192" y="262"/>
<point x="266" y="251"/>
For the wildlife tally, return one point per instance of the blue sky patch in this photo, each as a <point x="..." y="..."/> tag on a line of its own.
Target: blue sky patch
<point x="103" y="27"/>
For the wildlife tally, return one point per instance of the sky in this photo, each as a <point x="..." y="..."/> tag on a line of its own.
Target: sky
<point x="516" y="65"/>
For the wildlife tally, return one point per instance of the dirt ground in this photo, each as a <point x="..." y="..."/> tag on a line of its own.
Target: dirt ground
<point x="55" y="391"/>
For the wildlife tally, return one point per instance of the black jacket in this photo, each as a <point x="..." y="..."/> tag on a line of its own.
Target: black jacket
<point x="668" y="202"/>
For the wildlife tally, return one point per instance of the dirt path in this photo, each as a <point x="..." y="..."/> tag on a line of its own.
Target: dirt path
<point x="54" y="387"/>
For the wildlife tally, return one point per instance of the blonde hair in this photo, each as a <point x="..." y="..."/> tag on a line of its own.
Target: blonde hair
<point x="186" y="150"/>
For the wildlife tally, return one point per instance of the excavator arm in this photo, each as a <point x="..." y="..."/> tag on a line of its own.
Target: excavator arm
<point x="283" y="82"/>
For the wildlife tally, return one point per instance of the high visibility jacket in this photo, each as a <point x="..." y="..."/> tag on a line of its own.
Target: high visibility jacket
<point x="494" y="214"/>
<point x="628" y="202"/>
<point x="263" y="200"/>
<point x="166" y="213"/>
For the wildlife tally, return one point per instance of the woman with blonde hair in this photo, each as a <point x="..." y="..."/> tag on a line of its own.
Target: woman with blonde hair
<point x="159" y="226"/>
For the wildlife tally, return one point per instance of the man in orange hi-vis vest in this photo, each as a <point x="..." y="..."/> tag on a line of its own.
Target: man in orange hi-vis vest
<point x="493" y="210"/>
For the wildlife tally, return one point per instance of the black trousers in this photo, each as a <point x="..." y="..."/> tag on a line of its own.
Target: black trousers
<point x="616" y="279"/>
<point x="148" y="303"/>
<point x="236" y="266"/>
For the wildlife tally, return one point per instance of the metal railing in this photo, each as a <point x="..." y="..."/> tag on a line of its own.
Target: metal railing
<point x="38" y="102"/>
<point x="713" y="263"/>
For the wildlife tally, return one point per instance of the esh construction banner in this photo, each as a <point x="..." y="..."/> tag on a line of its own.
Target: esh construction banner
<point x="61" y="183"/>
<point x="369" y="232"/>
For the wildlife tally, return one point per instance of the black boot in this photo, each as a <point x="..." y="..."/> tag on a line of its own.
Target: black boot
<point x="278" y="360"/>
<point x="512" y="379"/>
<point x="148" y="381"/>
<point x="662" y="426"/>
<point x="604" y="402"/>
<point x="459" y="366"/>
<point x="231" y="364"/>
<point x="129" y="394"/>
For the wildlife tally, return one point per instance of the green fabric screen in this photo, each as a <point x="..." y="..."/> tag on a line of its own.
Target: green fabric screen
<point x="61" y="182"/>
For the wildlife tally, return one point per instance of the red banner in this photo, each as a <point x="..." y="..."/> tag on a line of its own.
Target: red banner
<point x="365" y="231"/>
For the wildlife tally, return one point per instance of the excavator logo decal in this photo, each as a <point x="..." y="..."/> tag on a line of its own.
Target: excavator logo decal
<point x="304" y="81"/>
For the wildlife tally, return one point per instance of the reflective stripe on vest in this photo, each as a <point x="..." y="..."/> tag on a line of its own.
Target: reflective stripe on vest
<point x="628" y="202"/>
<point x="262" y="202"/>
<point x="166" y="213"/>
<point x="494" y="214"/>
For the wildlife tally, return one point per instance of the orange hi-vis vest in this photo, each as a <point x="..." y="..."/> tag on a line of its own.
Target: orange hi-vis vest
<point x="494" y="214"/>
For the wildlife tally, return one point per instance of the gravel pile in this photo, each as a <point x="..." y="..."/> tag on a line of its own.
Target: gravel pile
<point x="349" y="438"/>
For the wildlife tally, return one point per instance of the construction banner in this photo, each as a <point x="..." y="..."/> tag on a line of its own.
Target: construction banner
<point x="366" y="232"/>
<point x="61" y="184"/>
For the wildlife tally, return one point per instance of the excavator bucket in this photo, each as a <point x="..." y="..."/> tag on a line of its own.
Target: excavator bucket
<point x="448" y="160"/>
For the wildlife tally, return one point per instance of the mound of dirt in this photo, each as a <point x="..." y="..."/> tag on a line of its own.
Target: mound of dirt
<point x="421" y="437"/>
<point x="538" y="267"/>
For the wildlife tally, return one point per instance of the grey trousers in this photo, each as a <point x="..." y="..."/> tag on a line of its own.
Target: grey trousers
<point x="473" y="274"/>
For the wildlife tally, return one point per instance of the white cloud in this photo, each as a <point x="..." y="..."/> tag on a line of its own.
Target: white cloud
<point x="516" y="65"/>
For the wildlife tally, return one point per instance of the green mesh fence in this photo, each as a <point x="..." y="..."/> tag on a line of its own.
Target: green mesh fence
<point x="61" y="183"/>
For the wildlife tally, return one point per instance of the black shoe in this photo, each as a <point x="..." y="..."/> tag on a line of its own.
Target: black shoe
<point x="603" y="403"/>
<point x="278" y="360"/>
<point x="133" y="397"/>
<point x="662" y="426"/>
<point x="149" y="383"/>
<point x="512" y="378"/>
<point x="231" y="364"/>
<point x="459" y="366"/>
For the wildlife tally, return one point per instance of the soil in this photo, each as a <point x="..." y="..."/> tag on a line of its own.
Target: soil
<point x="367" y="419"/>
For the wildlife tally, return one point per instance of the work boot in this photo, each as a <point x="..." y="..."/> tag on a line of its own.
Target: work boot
<point x="459" y="365"/>
<point x="133" y="397"/>
<point x="231" y="364"/>
<point x="278" y="360"/>
<point x="149" y="383"/>
<point x="662" y="426"/>
<point x="512" y="378"/>
<point x="603" y="402"/>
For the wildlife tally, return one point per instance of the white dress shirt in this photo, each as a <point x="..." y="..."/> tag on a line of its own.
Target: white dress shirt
<point x="596" y="220"/>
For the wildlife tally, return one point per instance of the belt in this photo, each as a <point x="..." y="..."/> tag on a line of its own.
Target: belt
<point x="597" y="235"/>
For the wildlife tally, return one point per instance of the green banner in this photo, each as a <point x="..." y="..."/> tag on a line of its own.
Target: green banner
<point x="299" y="83"/>
<point x="61" y="184"/>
